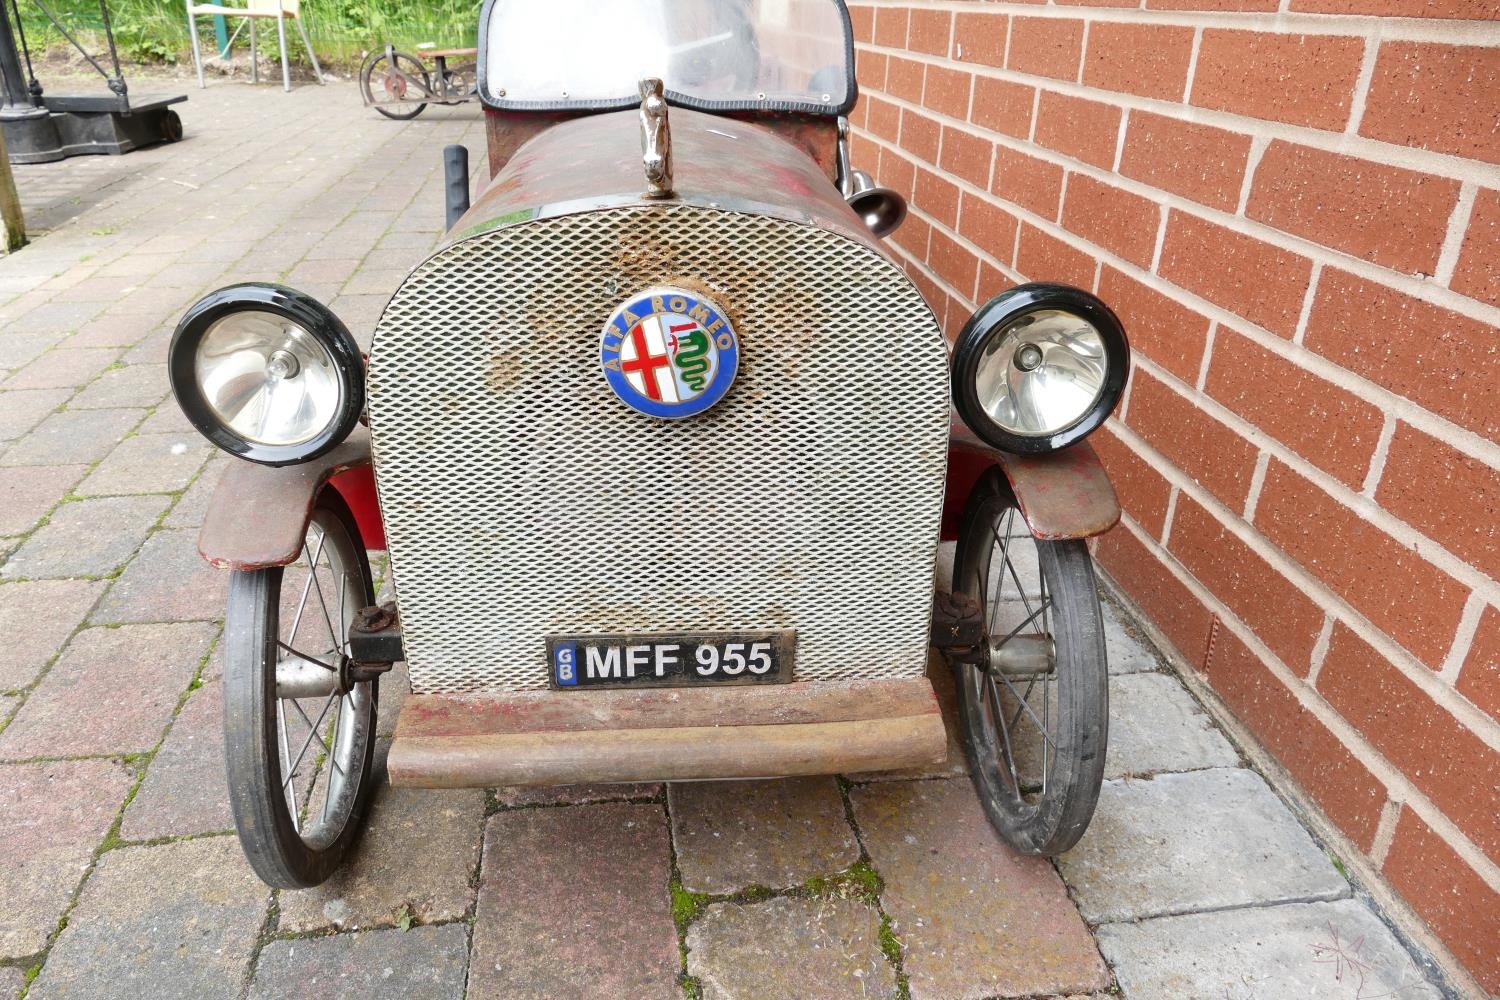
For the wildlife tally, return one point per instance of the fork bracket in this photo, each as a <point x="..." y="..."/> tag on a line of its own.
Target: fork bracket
<point x="958" y="627"/>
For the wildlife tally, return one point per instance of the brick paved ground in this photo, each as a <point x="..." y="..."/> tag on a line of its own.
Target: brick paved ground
<point x="119" y="875"/>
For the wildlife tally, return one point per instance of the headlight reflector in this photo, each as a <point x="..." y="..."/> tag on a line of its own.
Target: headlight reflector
<point x="1039" y="367"/>
<point x="267" y="373"/>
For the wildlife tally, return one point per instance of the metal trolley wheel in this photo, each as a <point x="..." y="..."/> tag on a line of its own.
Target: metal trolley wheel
<point x="1035" y="712"/>
<point x="393" y="75"/>
<point x="299" y="733"/>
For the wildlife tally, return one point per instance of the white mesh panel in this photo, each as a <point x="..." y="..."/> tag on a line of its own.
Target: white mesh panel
<point x="522" y="498"/>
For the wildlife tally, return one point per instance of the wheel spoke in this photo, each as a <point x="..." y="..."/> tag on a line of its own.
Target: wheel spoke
<point x="333" y="634"/>
<point x="310" y="659"/>
<point x="1027" y="709"/>
<point x="302" y="603"/>
<point x="286" y="754"/>
<point x="998" y="711"/>
<point x="312" y="733"/>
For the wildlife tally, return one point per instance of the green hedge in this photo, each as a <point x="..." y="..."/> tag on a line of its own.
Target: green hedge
<point x="341" y="30"/>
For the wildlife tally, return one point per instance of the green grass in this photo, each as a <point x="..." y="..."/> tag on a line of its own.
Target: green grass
<point x="155" y="31"/>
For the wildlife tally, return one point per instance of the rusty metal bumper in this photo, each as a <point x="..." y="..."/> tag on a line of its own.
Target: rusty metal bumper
<point x="258" y="514"/>
<point x="665" y="734"/>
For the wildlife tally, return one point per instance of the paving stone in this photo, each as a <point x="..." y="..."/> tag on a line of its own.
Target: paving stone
<point x="574" y="902"/>
<point x="62" y="367"/>
<point x="149" y="463"/>
<point x="562" y="795"/>
<point x="424" y="963"/>
<point x="36" y="618"/>
<point x="1155" y="725"/>
<point x="138" y="671"/>
<point x="1198" y="841"/>
<point x="974" y="918"/>
<point x="1337" y="949"/>
<point x="777" y="834"/>
<point x="1125" y="644"/>
<point x="17" y="349"/>
<point x="11" y="982"/>
<point x="185" y="791"/>
<point x="797" y="949"/>
<point x="113" y="330"/>
<point x="23" y="409"/>
<point x="130" y="385"/>
<point x="52" y="818"/>
<point x="72" y="436"/>
<point x="58" y="315"/>
<point x="418" y="851"/>
<point x="193" y="504"/>
<point x="86" y="538"/>
<point x="168" y="581"/>
<point x="28" y="493"/>
<point x="174" y="920"/>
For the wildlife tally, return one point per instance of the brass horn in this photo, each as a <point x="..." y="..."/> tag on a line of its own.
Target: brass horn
<point x="882" y="209"/>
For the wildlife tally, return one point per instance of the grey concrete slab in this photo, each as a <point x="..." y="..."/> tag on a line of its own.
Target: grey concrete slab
<point x="1155" y="725"/>
<point x="1189" y="842"/>
<point x="424" y="963"/>
<point x="174" y="920"/>
<point x="418" y="853"/>
<point x="790" y="949"/>
<point x="86" y="538"/>
<point x="12" y="981"/>
<point x="1124" y="643"/>
<point x="776" y="834"/>
<point x="1315" y="950"/>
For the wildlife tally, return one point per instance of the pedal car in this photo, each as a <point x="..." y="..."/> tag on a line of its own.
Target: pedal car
<point x="661" y="444"/>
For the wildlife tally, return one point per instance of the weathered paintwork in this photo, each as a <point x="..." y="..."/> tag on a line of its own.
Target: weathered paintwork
<point x="258" y="515"/>
<point x="1064" y="494"/>
<point x="815" y="135"/>
<point x="590" y="163"/>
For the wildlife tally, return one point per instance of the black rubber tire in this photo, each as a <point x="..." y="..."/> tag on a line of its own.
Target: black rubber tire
<point x="1053" y="821"/>
<point x="251" y="626"/>
<point x="367" y="71"/>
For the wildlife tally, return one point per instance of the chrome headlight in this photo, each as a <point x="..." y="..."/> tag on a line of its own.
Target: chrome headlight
<point x="267" y="373"/>
<point x="1039" y="367"/>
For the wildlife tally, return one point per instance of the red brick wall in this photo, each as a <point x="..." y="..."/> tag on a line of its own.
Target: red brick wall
<point x="1295" y="207"/>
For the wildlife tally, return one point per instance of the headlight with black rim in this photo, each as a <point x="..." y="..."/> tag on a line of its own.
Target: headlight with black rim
<point x="1039" y="367"/>
<point x="267" y="373"/>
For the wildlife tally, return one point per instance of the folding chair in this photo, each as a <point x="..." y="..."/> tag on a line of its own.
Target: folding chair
<point x="281" y="10"/>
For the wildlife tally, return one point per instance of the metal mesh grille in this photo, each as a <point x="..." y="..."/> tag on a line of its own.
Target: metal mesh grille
<point x="522" y="498"/>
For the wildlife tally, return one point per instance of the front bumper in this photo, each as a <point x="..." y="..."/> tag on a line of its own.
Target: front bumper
<point x="666" y="734"/>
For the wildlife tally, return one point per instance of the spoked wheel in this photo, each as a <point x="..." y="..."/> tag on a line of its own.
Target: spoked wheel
<point x="299" y="732"/>
<point x="1035" y="713"/>
<point x="393" y="76"/>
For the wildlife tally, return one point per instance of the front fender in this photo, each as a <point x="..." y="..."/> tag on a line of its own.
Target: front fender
<point x="258" y="515"/>
<point x="1063" y="494"/>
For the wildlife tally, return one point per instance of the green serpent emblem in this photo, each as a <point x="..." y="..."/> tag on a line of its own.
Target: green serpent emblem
<point x="690" y="355"/>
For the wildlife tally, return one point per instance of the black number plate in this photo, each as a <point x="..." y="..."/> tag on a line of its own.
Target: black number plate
<point x="594" y="661"/>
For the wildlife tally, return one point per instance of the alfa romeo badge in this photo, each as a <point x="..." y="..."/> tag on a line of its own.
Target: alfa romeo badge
<point x="669" y="352"/>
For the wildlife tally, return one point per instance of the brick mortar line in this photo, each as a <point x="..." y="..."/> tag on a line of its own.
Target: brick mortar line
<point x="1358" y="146"/>
<point x="1469" y="716"/>
<point x="1388" y="401"/>
<point x="1397" y="785"/>
<point x="1370" y="879"/>
<point x="1427" y="291"/>
<point x="1463" y="639"/>
<point x="1453" y="31"/>
<point x="1366" y="508"/>
<point x="1453" y="238"/>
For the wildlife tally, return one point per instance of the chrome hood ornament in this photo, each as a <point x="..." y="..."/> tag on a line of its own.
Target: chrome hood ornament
<point x="656" y="140"/>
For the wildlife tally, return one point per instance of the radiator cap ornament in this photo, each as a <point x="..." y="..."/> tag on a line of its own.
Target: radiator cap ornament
<point x="668" y="352"/>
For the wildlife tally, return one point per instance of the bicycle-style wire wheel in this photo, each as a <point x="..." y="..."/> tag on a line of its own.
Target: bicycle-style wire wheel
<point x="389" y="80"/>
<point x="1035" y="709"/>
<point x="299" y="734"/>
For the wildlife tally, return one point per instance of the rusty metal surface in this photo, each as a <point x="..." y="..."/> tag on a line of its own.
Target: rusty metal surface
<point x="1065" y="494"/>
<point x="814" y="135"/>
<point x="594" y="162"/>
<point x="258" y="515"/>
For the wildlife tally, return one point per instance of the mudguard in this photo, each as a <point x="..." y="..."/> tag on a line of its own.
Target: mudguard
<point x="1063" y="494"/>
<point x="258" y="515"/>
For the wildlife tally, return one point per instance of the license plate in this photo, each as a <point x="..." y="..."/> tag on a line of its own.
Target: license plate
<point x="595" y="661"/>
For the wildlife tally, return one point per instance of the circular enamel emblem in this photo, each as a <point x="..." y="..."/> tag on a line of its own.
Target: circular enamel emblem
<point x="669" y="352"/>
